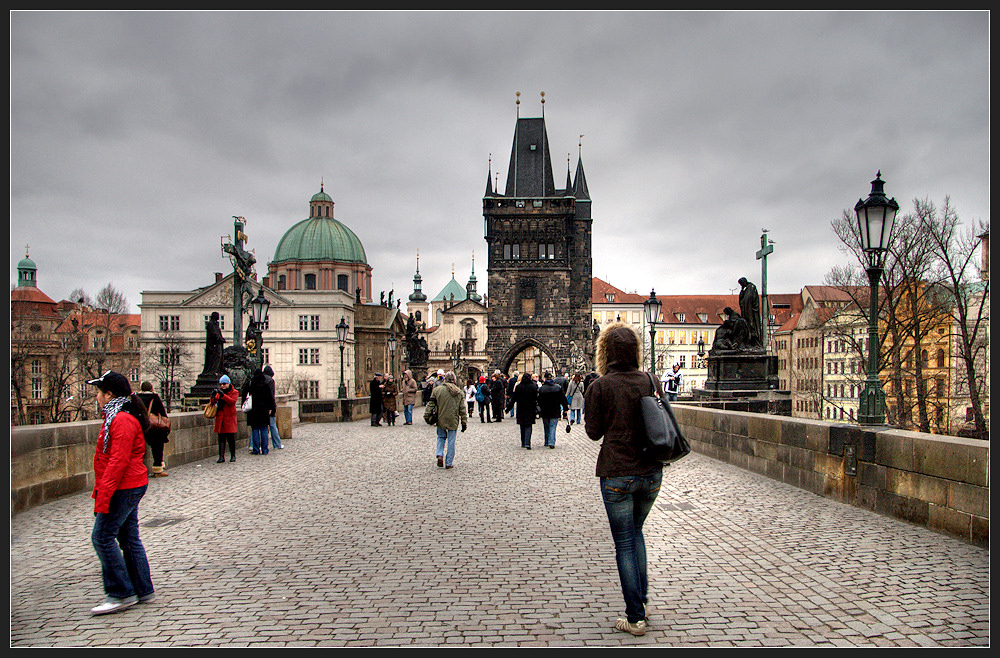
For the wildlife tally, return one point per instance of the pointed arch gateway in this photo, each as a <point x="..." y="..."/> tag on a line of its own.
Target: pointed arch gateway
<point x="541" y="361"/>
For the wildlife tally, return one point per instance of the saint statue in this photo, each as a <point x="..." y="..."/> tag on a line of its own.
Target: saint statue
<point x="750" y="310"/>
<point x="733" y="334"/>
<point x="214" y="343"/>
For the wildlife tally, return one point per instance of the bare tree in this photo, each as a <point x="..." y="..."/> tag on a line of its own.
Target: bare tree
<point x="955" y="249"/>
<point x="166" y="360"/>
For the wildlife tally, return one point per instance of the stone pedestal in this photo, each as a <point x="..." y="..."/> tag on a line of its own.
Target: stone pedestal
<point x="743" y="381"/>
<point x="741" y="371"/>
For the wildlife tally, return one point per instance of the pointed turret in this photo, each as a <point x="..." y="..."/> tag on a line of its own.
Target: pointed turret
<point x="417" y="295"/>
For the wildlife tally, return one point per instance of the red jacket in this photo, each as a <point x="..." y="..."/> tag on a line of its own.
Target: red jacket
<point x="225" y="419"/>
<point x="122" y="466"/>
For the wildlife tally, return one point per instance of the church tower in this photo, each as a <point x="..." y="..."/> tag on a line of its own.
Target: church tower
<point x="539" y="260"/>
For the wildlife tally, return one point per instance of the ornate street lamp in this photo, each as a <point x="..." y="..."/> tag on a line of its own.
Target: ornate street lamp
<point x="392" y="352"/>
<point x="341" y="328"/>
<point x="876" y="216"/>
<point x="258" y="316"/>
<point x="652" y="308"/>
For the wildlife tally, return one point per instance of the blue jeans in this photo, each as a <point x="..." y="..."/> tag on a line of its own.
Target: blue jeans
<point x="446" y="436"/>
<point x="408" y="413"/>
<point x="275" y="439"/>
<point x="575" y="414"/>
<point x="627" y="500"/>
<point x="258" y="439"/>
<point x="124" y="567"/>
<point x="550" y="425"/>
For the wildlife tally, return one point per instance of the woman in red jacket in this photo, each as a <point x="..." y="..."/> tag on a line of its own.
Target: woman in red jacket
<point x="225" y="398"/>
<point x="120" y="480"/>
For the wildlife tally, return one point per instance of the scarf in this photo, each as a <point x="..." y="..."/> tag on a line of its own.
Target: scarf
<point x="110" y="410"/>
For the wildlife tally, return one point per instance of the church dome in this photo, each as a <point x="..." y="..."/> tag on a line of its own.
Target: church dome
<point x="320" y="237"/>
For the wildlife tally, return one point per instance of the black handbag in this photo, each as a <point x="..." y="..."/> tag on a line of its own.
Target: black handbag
<point x="663" y="439"/>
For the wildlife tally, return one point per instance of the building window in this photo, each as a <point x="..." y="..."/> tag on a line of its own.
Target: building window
<point x="281" y="282"/>
<point x="342" y="282"/>
<point x="170" y="356"/>
<point x="308" y="356"/>
<point x="36" y="388"/>
<point x="170" y="322"/>
<point x="310" y="282"/>
<point x="308" y="323"/>
<point x="266" y="353"/>
<point x="308" y="390"/>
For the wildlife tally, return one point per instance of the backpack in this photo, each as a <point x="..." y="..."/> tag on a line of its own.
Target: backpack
<point x="480" y="394"/>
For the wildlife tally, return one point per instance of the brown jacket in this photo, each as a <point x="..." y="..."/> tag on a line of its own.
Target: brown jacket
<point x="613" y="403"/>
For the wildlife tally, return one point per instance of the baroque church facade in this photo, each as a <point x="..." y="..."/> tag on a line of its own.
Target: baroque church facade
<point x="538" y="241"/>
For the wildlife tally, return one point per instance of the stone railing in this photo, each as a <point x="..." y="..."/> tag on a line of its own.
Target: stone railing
<point x="940" y="482"/>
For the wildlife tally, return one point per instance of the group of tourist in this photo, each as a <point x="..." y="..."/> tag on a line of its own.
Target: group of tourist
<point x="386" y="395"/>
<point x="629" y="482"/>
<point x="257" y="399"/>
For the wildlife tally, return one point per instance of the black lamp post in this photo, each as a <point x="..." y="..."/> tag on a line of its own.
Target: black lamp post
<point x="341" y="338"/>
<point x="258" y="315"/>
<point x="876" y="216"/>
<point x="392" y="353"/>
<point x="652" y="308"/>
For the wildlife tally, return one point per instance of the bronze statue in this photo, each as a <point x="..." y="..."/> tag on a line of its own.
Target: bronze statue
<point x="750" y="310"/>
<point x="733" y="335"/>
<point x="214" y="342"/>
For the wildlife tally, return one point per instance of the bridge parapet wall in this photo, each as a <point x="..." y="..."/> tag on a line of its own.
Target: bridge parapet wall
<point x="940" y="482"/>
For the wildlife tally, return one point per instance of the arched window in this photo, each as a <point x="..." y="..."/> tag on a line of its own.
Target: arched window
<point x="342" y="282"/>
<point x="923" y="357"/>
<point x="940" y="359"/>
<point x="310" y="282"/>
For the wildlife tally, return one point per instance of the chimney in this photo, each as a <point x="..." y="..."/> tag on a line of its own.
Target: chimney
<point x="218" y="277"/>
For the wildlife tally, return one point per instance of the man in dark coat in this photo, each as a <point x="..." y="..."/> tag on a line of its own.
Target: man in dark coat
<point x="498" y="395"/>
<point x="511" y="383"/>
<point x="375" y="403"/>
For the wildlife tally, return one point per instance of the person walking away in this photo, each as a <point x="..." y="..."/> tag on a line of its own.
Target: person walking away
<point x="389" y="394"/>
<point x="120" y="481"/>
<point x="262" y="407"/>
<point x="511" y="383"/>
<point x="483" y="400"/>
<point x="498" y="394"/>
<point x="563" y="383"/>
<point x="629" y="482"/>
<point x="225" y="398"/>
<point x="470" y="396"/>
<point x="575" y="396"/>
<point x="155" y="437"/>
<point x="672" y="381"/>
<point x="447" y="400"/>
<point x="408" y="396"/>
<point x="273" y="427"/>
<point x="524" y="401"/>
<point x="551" y="404"/>
<point x="375" y="400"/>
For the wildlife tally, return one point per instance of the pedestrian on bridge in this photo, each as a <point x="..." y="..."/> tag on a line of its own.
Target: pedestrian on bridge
<point x="448" y="402"/>
<point x="120" y="481"/>
<point x="629" y="481"/>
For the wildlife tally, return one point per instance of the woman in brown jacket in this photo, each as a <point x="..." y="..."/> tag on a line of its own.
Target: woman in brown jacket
<point x="629" y="482"/>
<point x="408" y="393"/>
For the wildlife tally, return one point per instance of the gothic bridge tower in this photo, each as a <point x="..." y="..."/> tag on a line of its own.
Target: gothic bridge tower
<point x="539" y="261"/>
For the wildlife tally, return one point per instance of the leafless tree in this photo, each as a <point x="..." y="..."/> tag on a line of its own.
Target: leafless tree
<point x="955" y="249"/>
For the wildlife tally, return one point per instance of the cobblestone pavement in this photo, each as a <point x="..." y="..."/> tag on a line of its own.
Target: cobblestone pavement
<point x="352" y="536"/>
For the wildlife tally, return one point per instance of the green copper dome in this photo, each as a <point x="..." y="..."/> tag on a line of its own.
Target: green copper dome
<point x="320" y="239"/>
<point x="321" y="196"/>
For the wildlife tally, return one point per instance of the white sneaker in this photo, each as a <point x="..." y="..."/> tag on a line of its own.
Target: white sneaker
<point x="638" y="628"/>
<point x="112" y="604"/>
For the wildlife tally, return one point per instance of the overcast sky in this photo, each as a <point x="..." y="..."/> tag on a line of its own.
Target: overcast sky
<point x="136" y="136"/>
